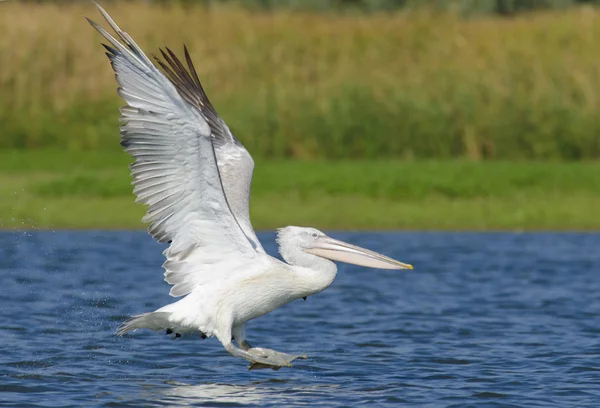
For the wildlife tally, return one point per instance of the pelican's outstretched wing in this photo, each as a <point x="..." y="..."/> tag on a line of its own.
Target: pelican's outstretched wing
<point x="235" y="163"/>
<point x="175" y="171"/>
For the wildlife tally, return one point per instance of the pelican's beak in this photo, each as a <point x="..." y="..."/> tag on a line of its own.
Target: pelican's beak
<point x="335" y="250"/>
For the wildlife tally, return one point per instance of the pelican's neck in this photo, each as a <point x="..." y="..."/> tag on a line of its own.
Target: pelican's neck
<point x="313" y="273"/>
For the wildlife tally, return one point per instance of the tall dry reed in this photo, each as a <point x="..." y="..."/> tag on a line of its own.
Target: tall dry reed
<point x="321" y="85"/>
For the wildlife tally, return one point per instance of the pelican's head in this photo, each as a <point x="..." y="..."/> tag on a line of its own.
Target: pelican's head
<point x="315" y="242"/>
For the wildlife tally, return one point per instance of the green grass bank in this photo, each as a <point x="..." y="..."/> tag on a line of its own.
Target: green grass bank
<point x="60" y="189"/>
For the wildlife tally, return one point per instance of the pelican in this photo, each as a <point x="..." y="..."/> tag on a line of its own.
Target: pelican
<point x="195" y="177"/>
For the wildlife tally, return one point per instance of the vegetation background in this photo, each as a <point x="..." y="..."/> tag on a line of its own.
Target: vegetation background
<point x="407" y="114"/>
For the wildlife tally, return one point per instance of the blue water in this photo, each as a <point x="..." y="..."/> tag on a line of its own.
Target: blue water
<point x="484" y="320"/>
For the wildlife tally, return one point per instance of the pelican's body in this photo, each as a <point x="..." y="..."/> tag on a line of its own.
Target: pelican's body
<point x="195" y="177"/>
<point x="222" y="307"/>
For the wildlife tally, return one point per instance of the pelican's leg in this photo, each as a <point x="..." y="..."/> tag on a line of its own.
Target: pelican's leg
<point x="239" y="334"/>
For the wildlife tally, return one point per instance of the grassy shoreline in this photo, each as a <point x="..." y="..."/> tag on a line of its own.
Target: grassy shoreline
<point x="53" y="189"/>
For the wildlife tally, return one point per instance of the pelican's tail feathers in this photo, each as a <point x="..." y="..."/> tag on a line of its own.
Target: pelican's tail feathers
<point x="153" y="321"/>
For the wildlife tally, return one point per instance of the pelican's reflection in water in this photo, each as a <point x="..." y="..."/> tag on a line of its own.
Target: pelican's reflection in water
<point x="253" y="393"/>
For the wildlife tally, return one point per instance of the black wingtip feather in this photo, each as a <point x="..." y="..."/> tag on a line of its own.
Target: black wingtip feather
<point x="185" y="80"/>
<point x="189" y="87"/>
<point x="110" y="49"/>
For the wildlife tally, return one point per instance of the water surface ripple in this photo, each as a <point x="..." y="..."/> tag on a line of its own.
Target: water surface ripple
<point x="485" y="320"/>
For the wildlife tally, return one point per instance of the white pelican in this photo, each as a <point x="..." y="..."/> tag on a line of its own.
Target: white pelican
<point x="195" y="176"/>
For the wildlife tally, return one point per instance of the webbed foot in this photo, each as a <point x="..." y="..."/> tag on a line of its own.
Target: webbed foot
<point x="263" y="358"/>
<point x="276" y="359"/>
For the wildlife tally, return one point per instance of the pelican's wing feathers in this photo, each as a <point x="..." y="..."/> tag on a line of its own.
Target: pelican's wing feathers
<point x="175" y="171"/>
<point x="235" y="163"/>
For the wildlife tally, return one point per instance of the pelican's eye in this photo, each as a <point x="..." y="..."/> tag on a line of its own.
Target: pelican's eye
<point x="315" y="235"/>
